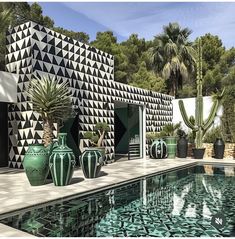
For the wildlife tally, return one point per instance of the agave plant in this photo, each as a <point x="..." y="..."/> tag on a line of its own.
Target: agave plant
<point x="52" y="101"/>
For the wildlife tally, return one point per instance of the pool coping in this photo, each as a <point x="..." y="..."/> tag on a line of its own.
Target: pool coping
<point x="10" y="231"/>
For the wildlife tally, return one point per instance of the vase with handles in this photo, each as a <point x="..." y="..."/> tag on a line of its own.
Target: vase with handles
<point x="36" y="164"/>
<point x="62" y="162"/>
<point x="91" y="162"/>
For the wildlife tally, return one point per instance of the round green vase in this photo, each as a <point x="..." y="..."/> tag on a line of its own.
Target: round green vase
<point x="62" y="162"/>
<point x="171" y="143"/>
<point x="91" y="162"/>
<point x="36" y="164"/>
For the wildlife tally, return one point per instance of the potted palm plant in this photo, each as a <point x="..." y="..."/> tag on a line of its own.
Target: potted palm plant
<point x="52" y="101"/>
<point x="92" y="158"/>
<point x="169" y="131"/>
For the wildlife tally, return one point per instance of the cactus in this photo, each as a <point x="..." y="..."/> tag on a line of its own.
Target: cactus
<point x="200" y="126"/>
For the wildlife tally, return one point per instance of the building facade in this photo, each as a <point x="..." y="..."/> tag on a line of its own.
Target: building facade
<point x="33" y="50"/>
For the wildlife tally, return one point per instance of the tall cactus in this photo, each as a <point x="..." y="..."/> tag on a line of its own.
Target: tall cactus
<point x="200" y="126"/>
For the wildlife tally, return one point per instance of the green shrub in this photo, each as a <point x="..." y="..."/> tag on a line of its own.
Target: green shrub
<point x="213" y="134"/>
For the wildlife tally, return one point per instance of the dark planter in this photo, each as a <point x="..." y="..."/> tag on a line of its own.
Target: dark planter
<point x="62" y="162"/>
<point x="91" y="162"/>
<point x="171" y="146"/>
<point x="158" y="149"/>
<point x="182" y="148"/>
<point x="36" y="164"/>
<point x="219" y="147"/>
<point x="198" y="153"/>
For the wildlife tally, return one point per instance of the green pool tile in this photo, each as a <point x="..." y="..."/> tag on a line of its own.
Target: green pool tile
<point x="95" y="216"/>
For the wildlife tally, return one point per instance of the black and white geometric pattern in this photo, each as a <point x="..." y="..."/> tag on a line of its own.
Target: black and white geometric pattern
<point x="34" y="49"/>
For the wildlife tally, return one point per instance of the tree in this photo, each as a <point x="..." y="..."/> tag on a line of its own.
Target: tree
<point x="173" y="56"/>
<point x="52" y="101"/>
<point x="37" y="16"/>
<point x="212" y="50"/>
<point x="19" y="12"/>
<point x="16" y="13"/>
<point x="5" y="15"/>
<point x="228" y="118"/>
<point x="107" y="42"/>
<point x="148" y="80"/>
<point x="212" y="81"/>
<point x="79" y="36"/>
<point x="133" y="48"/>
<point x="104" y="41"/>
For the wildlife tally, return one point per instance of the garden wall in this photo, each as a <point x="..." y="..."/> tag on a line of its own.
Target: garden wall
<point x="229" y="151"/>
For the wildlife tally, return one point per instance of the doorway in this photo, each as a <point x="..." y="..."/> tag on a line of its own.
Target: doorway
<point x="4" y="134"/>
<point x="129" y="136"/>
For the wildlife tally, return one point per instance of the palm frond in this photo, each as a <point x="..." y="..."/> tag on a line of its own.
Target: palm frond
<point x="183" y="70"/>
<point x="175" y="64"/>
<point x="171" y="49"/>
<point x="166" y="72"/>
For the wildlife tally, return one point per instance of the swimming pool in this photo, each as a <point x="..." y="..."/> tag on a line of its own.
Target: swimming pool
<point x="177" y="203"/>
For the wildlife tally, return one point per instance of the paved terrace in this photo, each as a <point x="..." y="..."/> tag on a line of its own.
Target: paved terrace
<point x="16" y="192"/>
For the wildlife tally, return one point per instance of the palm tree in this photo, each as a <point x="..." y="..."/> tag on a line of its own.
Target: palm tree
<point x="173" y="56"/>
<point x="52" y="101"/>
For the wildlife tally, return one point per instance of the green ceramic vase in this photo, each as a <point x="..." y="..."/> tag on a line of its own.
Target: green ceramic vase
<point x="158" y="149"/>
<point x="36" y="164"/>
<point x="62" y="162"/>
<point x="91" y="162"/>
<point x="171" y="143"/>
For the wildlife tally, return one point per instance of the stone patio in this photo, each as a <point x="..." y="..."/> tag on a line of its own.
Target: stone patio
<point x="16" y="192"/>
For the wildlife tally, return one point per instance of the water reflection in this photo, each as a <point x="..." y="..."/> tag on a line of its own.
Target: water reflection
<point x="175" y="204"/>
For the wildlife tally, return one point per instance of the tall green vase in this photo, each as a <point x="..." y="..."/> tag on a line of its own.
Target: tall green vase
<point x="36" y="164"/>
<point x="171" y="143"/>
<point x="62" y="162"/>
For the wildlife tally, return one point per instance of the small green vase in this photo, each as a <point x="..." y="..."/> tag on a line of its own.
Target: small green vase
<point x="62" y="162"/>
<point x="36" y="164"/>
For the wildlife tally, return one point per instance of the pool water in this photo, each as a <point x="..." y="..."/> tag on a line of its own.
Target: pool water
<point x="179" y="203"/>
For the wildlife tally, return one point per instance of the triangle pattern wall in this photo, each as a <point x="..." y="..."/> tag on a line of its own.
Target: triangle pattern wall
<point x="32" y="49"/>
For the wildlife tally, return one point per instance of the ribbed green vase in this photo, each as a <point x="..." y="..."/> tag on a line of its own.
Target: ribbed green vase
<point x="171" y="143"/>
<point x="158" y="149"/>
<point x="62" y="162"/>
<point x="36" y="164"/>
<point x="91" y="162"/>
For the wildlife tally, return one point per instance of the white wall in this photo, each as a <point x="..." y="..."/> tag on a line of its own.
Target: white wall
<point x="8" y="87"/>
<point x="189" y="104"/>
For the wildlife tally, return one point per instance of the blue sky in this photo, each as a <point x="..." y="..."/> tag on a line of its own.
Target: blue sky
<point x="144" y="18"/>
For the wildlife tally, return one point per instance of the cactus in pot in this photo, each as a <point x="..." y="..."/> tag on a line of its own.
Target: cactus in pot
<point x="200" y="126"/>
